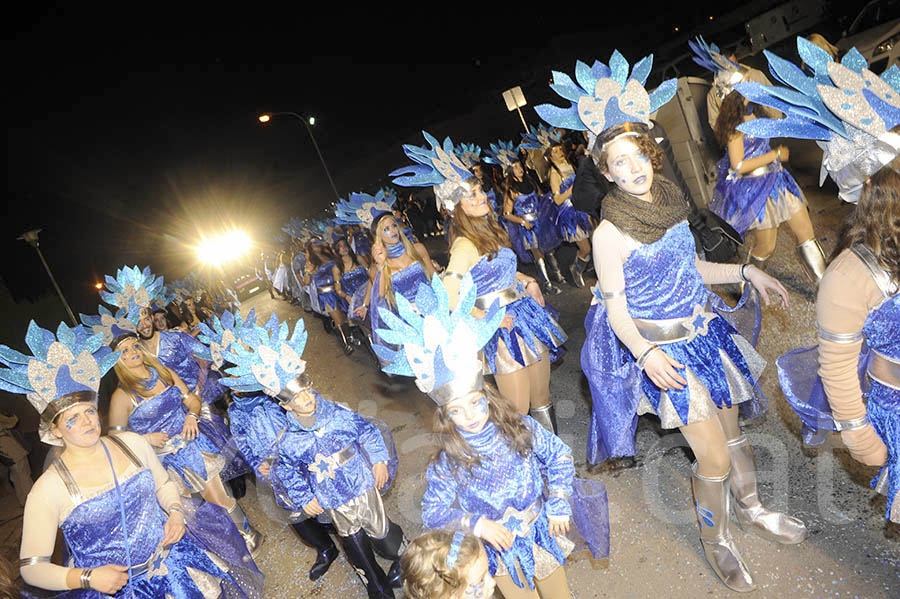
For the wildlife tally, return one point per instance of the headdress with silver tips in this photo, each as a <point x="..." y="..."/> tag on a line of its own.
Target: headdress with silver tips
<point x="436" y="167"/>
<point x="503" y="154"/>
<point x="540" y="138"/>
<point x="224" y="331"/>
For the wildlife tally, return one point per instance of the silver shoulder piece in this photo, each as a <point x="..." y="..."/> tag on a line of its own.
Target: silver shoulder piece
<point x="886" y="285"/>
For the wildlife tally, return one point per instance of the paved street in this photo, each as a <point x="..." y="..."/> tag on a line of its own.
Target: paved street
<point x="655" y="550"/>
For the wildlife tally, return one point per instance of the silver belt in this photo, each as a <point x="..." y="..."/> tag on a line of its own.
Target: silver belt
<point x="757" y="172"/>
<point x="670" y="330"/>
<point x="520" y="522"/>
<point x="154" y="565"/>
<point x="324" y="466"/>
<point x="530" y="217"/>
<point x="883" y="369"/>
<point x="505" y="296"/>
<point x="325" y="289"/>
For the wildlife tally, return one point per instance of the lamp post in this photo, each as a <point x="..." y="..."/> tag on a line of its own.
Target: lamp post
<point x="308" y="123"/>
<point x="31" y="238"/>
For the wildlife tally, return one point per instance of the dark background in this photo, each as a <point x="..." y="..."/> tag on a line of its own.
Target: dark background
<point x="132" y="129"/>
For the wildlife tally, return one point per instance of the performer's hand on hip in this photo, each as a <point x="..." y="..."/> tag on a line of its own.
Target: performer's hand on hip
<point x="661" y="368"/>
<point x="174" y="529"/>
<point x="494" y="533"/>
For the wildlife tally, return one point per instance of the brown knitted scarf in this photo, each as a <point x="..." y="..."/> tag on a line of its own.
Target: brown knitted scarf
<point x="646" y="221"/>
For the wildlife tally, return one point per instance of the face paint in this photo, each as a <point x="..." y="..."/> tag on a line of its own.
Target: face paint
<point x="628" y="167"/>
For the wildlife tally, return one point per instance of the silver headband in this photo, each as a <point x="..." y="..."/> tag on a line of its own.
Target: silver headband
<point x="465" y="384"/>
<point x="293" y="387"/>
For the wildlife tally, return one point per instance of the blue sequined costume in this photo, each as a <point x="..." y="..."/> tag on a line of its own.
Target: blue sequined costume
<point x="210" y="557"/>
<point x="404" y="282"/>
<point x="802" y="386"/>
<point x="534" y="329"/>
<point x="353" y="279"/>
<point x="540" y="212"/>
<point x="323" y="281"/>
<point x="721" y="366"/>
<point x="573" y="225"/>
<point x="360" y="243"/>
<point x="176" y="351"/>
<point x="742" y="199"/>
<point x="508" y="489"/>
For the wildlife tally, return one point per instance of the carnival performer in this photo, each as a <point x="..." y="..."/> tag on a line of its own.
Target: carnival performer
<point x="320" y="274"/>
<point x="330" y="459"/>
<point x="755" y="193"/>
<point x="656" y="339"/>
<point x="574" y="226"/>
<point x="488" y="474"/>
<point x="257" y="423"/>
<point x="439" y="564"/>
<point x="470" y="156"/>
<point x="127" y="531"/>
<point x="520" y="352"/>
<point x="350" y="280"/>
<point x="361" y="244"/>
<point x="529" y="233"/>
<point x="850" y="381"/>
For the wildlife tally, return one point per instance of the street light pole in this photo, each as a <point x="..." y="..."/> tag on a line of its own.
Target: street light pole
<point x="306" y="123"/>
<point x="31" y="238"/>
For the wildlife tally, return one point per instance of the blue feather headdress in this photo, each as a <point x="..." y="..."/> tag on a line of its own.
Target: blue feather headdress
<point x="268" y="359"/>
<point x="845" y="106"/>
<point x="218" y="336"/>
<point x="439" y="347"/>
<point x="503" y="154"/>
<point x="540" y="138"/>
<point x="468" y="154"/>
<point x="297" y="228"/>
<point x="607" y="101"/>
<point x="132" y="287"/>
<point x="64" y="370"/>
<point x="437" y="167"/>
<point x="726" y="72"/>
<point x="363" y="209"/>
<point x="109" y="325"/>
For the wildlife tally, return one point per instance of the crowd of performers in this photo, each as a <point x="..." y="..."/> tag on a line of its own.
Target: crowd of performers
<point x="145" y="511"/>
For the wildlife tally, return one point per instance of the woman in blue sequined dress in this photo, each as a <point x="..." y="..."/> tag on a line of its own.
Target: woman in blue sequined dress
<point x="755" y="193"/>
<point x="574" y="226"/>
<point x="152" y="401"/>
<point x="320" y="276"/>
<point x="520" y="352"/>
<point x="658" y="342"/>
<point x="127" y="530"/>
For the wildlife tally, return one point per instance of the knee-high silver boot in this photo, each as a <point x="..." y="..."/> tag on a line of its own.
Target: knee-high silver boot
<point x="813" y="258"/>
<point x="546" y="285"/>
<point x="750" y="512"/>
<point x="252" y="537"/>
<point x="545" y="416"/>
<point x="554" y="267"/>
<point x="712" y="501"/>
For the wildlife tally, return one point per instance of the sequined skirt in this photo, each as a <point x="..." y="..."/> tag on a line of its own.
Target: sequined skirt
<point x="534" y="333"/>
<point x="884" y="413"/>
<point x="195" y="464"/>
<point x="574" y="225"/>
<point x="779" y="211"/>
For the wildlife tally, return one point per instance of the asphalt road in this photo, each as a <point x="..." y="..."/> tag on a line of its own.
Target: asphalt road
<point x="655" y="549"/>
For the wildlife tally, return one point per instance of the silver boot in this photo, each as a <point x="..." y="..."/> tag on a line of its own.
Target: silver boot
<point x="252" y="537"/>
<point x="546" y="285"/>
<point x="712" y="501"/>
<point x="554" y="267"/>
<point x="578" y="267"/>
<point x="545" y="416"/>
<point x="813" y="258"/>
<point x="750" y="512"/>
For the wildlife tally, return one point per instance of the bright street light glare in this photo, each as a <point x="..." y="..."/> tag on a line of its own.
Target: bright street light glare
<point x="225" y="248"/>
<point x="264" y="118"/>
<point x="312" y="120"/>
<point x="99" y="285"/>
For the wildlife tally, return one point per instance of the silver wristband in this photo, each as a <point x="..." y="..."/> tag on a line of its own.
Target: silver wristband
<point x="643" y="357"/>
<point x="85" y="578"/>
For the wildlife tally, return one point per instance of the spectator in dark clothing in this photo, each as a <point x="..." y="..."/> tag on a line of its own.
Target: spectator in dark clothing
<point x="590" y="186"/>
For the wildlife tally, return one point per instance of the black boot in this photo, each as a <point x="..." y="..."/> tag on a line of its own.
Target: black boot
<point x="358" y="549"/>
<point x="314" y="534"/>
<point x="238" y="486"/>
<point x="391" y="547"/>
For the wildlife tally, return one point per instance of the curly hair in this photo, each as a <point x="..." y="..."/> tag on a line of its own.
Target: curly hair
<point x="731" y="114"/>
<point x="484" y="232"/>
<point x="646" y="145"/>
<point x="453" y="446"/>
<point x="424" y="565"/>
<point x="876" y="220"/>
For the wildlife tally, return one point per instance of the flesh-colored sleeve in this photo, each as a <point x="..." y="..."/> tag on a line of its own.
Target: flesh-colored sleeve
<point x="716" y="273"/>
<point x="847" y="294"/>
<point x="39" y="526"/>
<point x="610" y="251"/>
<point x="463" y="256"/>
<point x="166" y="490"/>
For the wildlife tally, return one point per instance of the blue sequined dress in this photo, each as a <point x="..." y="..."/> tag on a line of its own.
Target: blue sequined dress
<point x="360" y="243"/>
<point x="210" y="560"/>
<point x="541" y="213"/>
<point x="534" y="330"/>
<point x="802" y="387"/>
<point x="353" y="279"/>
<point x="761" y="199"/>
<point x="574" y="225"/>
<point x="404" y="282"/>
<point x="510" y="490"/>
<point x="176" y="351"/>
<point x="323" y="280"/>
<point x="721" y="366"/>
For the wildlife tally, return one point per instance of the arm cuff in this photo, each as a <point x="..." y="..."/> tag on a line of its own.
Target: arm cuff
<point x="30" y="561"/>
<point x="851" y="425"/>
<point x="845" y="338"/>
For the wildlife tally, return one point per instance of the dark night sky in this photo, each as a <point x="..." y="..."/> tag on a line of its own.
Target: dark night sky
<point x="128" y="134"/>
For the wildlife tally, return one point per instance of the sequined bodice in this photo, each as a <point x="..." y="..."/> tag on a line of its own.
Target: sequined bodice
<point x="661" y="278"/>
<point x="493" y="275"/>
<point x="882" y="328"/>
<point x="259" y="427"/>
<point x="176" y="351"/>
<point x="93" y="530"/>
<point x="567" y="183"/>
<point x="406" y="282"/>
<point x="525" y="204"/>
<point x="354" y="279"/>
<point x="324" y="276"/>
<point x="163" y="413"/>
<point x="755" y="146"/>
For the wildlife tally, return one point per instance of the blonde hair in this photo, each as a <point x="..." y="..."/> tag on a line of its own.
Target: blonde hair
<point x="385" y="287"/>
<point x="133" y="384"/>
<point x="424" y="565"/>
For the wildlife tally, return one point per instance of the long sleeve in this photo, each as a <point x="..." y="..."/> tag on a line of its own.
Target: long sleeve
<point x="440" y="504"/>
<point x="240" y="432"/>
<point x="293" y="476"/>
<point x="463" y="256"/>
<point x="847" y="294"/>
<point x="39" y="525"/>
<point x="557" y="463"/>
<point x="166" y="490"/>
<point x="370" y="438"/>
<point x="715" y="273"/>
<point x="610" y="251"/>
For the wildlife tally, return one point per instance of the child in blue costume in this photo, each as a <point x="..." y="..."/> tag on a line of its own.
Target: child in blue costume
<point x="488" y="476"/>
<point x="329" y="459"/>
<point x="520" y="352"/>
<point x="656" y="341"/>
<point x="850" y="381"/>
<point x="127" y="530"/>
<point x="755" y="193"/>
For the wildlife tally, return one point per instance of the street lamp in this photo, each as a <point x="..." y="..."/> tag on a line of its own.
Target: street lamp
<point x="308" y="123"/>
<point x="31" y="238"/>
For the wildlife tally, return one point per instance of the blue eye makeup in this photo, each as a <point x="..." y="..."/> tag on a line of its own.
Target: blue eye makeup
<point x="70" y="422"/>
